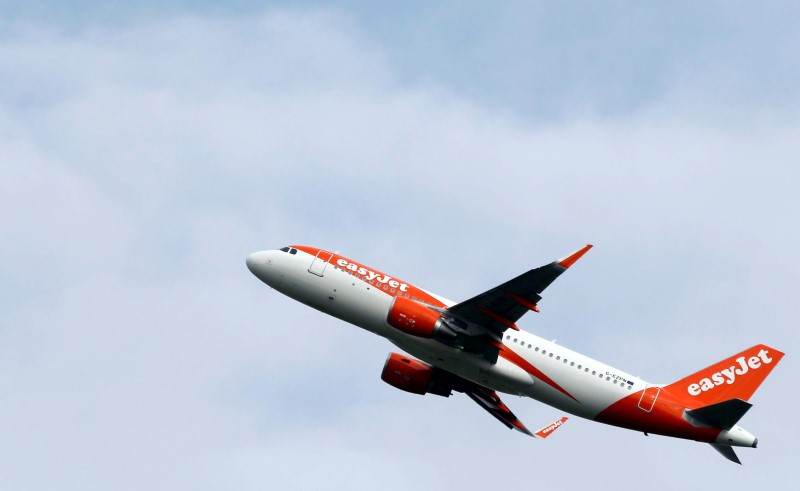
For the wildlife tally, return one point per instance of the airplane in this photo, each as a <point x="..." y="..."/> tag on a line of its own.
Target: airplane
<point x="475" y="347"/>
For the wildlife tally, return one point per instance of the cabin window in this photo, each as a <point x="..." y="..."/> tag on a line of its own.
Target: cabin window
<point x="593" y="372"/>
<point x="572" y="364"/>
<point x="529" y="346"/>
<point x="558" y="357"/>
<point x="551" y="354"/>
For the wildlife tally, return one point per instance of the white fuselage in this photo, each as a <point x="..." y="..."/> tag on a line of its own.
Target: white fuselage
<point x="336" y="291"/>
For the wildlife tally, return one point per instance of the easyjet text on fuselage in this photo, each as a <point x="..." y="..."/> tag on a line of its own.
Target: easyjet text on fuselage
<point x="370" y="275"/>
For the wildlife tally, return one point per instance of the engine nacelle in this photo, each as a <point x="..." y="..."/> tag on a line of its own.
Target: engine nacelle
<point x="410" y="375"/>
<point x="416" y="319"/>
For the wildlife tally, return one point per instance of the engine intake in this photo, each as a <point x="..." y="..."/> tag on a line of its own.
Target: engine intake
<point x="416" y="319"/>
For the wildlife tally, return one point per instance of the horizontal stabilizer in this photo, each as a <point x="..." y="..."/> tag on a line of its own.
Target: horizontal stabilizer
<point x="549" y="429"/>
<point x="723" y="414"/>
<point x="726" y="452"/>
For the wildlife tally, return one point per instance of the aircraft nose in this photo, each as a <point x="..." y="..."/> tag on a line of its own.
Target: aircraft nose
<point x="252" y="261"/>
<point x="257" y="263"/>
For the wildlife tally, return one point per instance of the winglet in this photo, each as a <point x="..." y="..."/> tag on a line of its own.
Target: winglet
<point x="547" y="430"/>
<point x="573" y="258"/>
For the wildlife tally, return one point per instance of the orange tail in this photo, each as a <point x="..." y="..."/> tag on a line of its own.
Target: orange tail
<point x="736" y="377"/>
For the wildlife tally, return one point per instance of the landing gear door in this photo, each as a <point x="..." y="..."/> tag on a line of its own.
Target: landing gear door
<point x="648" y="399"/>
<point x="320" y="262"/>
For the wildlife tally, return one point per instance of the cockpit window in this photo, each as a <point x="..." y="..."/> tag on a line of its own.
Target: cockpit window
<point x="292" y="251"/>
<point x="285" y="249"/>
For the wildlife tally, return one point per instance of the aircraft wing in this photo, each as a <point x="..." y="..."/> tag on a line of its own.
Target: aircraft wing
<point x="490" y="401"/>
<point x="499" y="308"/>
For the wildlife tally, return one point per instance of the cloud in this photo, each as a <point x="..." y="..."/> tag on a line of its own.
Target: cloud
<point x="142" y="163"/>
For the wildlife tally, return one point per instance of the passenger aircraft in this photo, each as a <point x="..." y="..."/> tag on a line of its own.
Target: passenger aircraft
<point x="476" y="347"/>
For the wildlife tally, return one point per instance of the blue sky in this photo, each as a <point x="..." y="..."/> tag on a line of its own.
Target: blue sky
<point x="146" y="150"/>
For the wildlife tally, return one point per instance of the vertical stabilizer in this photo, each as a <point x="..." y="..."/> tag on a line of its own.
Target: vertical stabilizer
<point x="736" y="377"/>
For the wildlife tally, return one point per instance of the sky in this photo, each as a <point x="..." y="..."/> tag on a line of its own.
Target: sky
<point x="146" y="149"/>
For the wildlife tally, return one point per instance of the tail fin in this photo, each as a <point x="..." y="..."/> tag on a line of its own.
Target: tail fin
<point x="736" y="377"/>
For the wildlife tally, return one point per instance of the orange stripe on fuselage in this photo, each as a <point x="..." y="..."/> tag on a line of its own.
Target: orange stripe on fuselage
<point x="507" y="354"/>
<point x="665" y="418"/>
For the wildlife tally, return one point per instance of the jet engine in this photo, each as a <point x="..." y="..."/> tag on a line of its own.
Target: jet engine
<point x="416" y="319"/>
<point x="413" y="376"/>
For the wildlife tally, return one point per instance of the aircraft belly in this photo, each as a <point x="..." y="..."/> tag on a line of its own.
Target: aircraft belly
<point x="589" y="398"/>
<point x="502" y="376"/>
<point x="335" y="293"/>
<point x="358" y="302"/>
<point x="591" y="395"/>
